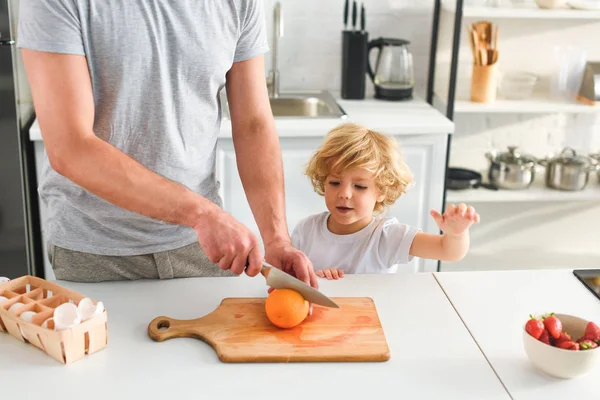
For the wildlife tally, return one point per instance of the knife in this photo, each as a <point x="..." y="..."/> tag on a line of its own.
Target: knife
<point x="362" y="17"/>
<point x="354" y="15"/>
<point x="346" y="6"/>
<point x="278" y="279"/>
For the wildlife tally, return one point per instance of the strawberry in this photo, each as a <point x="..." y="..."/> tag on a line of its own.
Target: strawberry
<point x="592" y="331"/>
<point x="568" y="345"/>
<point x="587" y="344"/>
<point x="553" y="325"/>
<point x="534" y="327"/>
<point x="545" y="337"/>
<point x="564" y="337"/>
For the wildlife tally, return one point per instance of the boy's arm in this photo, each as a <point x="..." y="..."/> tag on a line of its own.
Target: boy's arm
<point x="454" y="243"/>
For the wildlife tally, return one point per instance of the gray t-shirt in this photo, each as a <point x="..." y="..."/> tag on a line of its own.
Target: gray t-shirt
<point x="157" y="68"/>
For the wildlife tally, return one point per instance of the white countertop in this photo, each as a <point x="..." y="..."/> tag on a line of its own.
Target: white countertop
<point x="494" y="306"/>
<point x="432" y="354"/>
<point x="412" y="117"/>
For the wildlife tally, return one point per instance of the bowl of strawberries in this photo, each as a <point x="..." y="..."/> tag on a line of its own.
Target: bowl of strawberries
<point x="561" y="345"/>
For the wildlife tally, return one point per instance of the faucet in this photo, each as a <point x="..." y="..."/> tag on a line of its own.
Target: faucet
<point x="273" y="79"/>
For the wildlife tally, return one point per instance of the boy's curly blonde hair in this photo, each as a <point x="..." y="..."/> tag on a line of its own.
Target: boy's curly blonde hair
<point x="354" y="146"/>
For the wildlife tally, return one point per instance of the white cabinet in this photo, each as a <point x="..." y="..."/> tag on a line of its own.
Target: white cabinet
<point x="425" y="155"/>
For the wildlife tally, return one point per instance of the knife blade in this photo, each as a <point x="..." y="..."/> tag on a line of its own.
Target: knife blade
<point x="278" y="279"/>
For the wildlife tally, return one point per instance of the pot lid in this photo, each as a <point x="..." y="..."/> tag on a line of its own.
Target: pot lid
<point x="512" y="156"/>
<point x="391" y="41"/>
<point x="569" y="157"/>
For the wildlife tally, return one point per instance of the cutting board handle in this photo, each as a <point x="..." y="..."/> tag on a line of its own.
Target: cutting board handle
<point x="164" y="328"/>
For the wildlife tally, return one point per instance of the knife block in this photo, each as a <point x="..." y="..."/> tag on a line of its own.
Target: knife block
<point x="354" y="64"/>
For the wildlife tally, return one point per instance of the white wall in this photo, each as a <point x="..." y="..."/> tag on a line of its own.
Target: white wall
<point x="515" y="235"/>
<point x="310" y="49"/>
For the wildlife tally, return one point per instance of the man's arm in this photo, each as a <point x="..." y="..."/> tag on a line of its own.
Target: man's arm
<point x="64" y="105"/>
<point x="257" y="148"/>
<point x="63" y="99"/>
<point x="260" y="166"/>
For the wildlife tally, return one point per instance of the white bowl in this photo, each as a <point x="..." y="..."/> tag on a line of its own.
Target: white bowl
<point x="562" y="363"/>
<point x="550" y="3"/>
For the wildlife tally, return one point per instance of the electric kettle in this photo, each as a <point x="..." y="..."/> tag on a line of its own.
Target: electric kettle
<point x="393" y="76"/>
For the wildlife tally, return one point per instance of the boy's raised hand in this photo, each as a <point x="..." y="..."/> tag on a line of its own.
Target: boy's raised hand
<point x="330" y="273"/>
<point x="456" y="220"/>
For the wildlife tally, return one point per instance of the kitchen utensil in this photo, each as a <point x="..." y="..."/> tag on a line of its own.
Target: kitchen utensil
<point x="362" y="17"/>
<point x="559" y="362"/>
<point x="589" y="91"/>
<point x="346" y="9"/>
<point x="278" y="279"/>
<point x="393" y="75"/>
<point x="511" y="170"/>
<point x="596" y="156"/>
<point x="517" y="85"/>
<point x="240" y="331"/>
<point x="354" y="15"/>
<point x="569" y="170"/>
<point x="462" y="178"/>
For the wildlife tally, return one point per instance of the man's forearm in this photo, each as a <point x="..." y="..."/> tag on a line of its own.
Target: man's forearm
<point x="112" y="175"/>
<point x="260" y="167"/>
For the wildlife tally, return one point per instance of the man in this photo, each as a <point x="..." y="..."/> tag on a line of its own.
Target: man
<point x="126" y="95"/>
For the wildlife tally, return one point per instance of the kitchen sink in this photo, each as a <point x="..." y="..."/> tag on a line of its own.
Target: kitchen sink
<point x="305" y="104"/>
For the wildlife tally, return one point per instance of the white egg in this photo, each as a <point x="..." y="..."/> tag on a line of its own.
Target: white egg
<point x="15" y="307"/>
<point x="27" y="316"/>
<point x="66" y="316"/>
<point x="87" y="309"/>
<point x="3" y="299"/>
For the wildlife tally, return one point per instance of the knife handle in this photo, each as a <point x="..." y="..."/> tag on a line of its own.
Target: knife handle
<point x="354" y="11"/>
<point x="362" y="17"/>
<point x="346" y="9"/>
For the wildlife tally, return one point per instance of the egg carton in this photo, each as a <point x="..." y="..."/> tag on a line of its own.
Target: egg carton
<point x="43" y="297"/>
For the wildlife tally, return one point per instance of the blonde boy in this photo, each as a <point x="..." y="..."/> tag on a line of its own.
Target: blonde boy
<point x="360" y="172"/>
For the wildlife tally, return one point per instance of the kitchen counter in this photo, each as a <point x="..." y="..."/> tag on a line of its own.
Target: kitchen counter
<point x="433" y="356"/>
<point x="412" y="117"/>
<point x="494" y="306"/>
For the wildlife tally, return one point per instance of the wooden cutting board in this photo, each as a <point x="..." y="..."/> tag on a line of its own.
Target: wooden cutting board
<point x="240" y="332"/>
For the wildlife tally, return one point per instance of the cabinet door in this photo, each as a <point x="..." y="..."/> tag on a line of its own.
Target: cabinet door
<point x="424" y="154"/>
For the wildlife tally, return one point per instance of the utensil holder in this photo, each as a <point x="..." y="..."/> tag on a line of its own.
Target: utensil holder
<point x="484" y="83"/>
<point x="354" y="64"/>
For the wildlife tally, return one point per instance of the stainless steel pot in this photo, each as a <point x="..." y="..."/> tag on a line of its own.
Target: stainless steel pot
<point x="569" y="170"/>
<point x="511" y="170"/>
<point x="596" y="156"/>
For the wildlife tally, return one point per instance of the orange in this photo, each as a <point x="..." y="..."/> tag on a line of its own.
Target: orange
<point x="286" y="308"/>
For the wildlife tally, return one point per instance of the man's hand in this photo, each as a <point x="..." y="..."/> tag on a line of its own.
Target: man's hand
<point x="281" y="254"/>
<point x="330" y="273"/>
<point x="229" y="243"/>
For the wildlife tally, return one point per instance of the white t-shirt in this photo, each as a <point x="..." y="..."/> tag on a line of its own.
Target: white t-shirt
<point x="376" y="249"/>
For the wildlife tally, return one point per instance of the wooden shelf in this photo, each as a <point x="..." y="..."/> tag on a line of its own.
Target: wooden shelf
<point x="537" y="104"/>
<point x="527" y="11"/>
<point x="533" y="105"/>
<point x="537" y="192"/>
